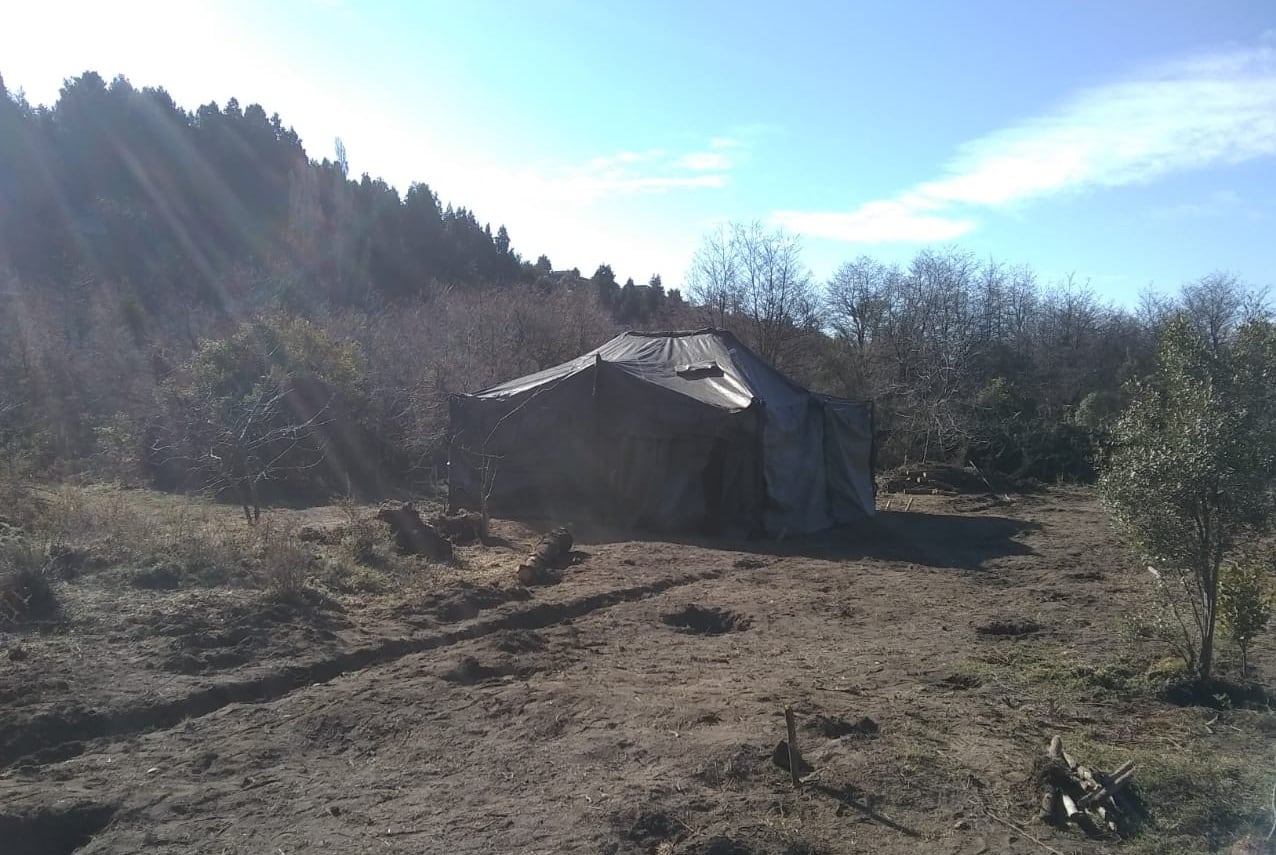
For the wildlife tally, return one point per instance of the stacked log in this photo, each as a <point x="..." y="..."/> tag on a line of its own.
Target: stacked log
<point x="551" y="554"/>
<point x="1074" y="794"/>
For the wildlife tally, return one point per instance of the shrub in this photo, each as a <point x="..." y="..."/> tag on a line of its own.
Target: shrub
<point x="1191" y="467"/>
<point x="1244" y="604"/>
<point x="267" y="408"/>
<point x="282" y="561"/>
<point x="25" y="593"/>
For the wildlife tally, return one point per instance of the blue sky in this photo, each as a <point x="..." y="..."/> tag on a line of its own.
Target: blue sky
<point x="1131" y="143"/>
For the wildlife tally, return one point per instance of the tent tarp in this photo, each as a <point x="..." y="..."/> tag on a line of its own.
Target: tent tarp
<point x="667" y="431"/>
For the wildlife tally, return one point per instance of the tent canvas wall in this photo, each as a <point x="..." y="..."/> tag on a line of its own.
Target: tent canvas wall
<point x="667" y="431"/>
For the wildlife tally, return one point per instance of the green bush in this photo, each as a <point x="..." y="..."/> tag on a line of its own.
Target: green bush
<point x="1190" y="470"/>
<point x="268" y="411"/>
<point x="1244" y="603"/>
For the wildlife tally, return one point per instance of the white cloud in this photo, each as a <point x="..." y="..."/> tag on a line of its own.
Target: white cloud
<point x="626" y="158"/>
<point x="705" y="161"/>
<point x="889" y="221"/>
<point x="621" y="174"/>
<point x="1213" y="109"/>
<point x="1215" y="204"/>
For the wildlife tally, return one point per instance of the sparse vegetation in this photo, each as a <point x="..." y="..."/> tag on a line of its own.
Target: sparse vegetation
<point x="282" y="562"/>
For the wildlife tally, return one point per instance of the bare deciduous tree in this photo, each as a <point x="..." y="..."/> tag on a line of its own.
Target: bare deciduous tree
<point x="236" y="446"/>
<point x="754" y="281"/>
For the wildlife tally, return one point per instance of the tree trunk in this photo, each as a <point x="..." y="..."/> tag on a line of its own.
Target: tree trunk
<point x="1210" y="616"/>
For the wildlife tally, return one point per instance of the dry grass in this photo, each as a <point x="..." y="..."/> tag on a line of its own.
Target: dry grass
<point x="120" y="527"/>
<point x="1198" y="772"/>
<point x="282" y="562"/>
<point x="165" y="541"/>
<point x="25" y="593"/>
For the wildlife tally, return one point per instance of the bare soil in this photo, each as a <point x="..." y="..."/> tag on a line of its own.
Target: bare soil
<point x="632" y="708"/>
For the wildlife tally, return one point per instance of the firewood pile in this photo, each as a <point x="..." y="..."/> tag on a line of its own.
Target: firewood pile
<point x="1094" y="801"/>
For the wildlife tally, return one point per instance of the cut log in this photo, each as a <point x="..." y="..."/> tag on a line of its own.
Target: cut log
<point x="1119" y="780"/>
<point x="412" y="535"/>
<point x="1087" y="779"/>
<point x="1127" y="766"/>
<point x="1055" y="751"/>
<point x="551" y="554"/>
<point x="1070" y="807"/>
<point x="1049" y="800"/>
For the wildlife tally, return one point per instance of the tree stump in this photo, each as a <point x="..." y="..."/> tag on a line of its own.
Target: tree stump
<point x="462" y="527"/>
<point x="412" y="535"/>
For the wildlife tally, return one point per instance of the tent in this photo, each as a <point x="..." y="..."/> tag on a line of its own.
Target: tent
<point x="665" y="431"/>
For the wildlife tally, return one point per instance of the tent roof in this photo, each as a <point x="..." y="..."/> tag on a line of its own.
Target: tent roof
<point x="709" y="365"/>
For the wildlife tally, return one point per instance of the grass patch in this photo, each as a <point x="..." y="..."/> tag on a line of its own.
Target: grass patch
<point x="113" y="527"/>
<point x="1046" y="670"/>
<point x="164" y="542"/>
<point x="1201" y="792"/>
<point x="1198" y="799"/>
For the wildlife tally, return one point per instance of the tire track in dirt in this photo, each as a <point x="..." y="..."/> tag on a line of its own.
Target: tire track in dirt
<point x="52" y="737"/>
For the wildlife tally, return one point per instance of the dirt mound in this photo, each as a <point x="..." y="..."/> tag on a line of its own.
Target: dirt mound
<point x="701" y="621"/>
<point x="519" y="641"/>
<point x="721" y="846"/>
<point x="832" y="727"/>
<point x="737" y="765"/>
<point x="468" y="602"/>
<point x="158" y="578"/>
<point x="648" y="827"/>
<point x="469" y="671"/>
<point x="961" y="681"/>
<point x="1009" y="628"/>
<point x="220" y="639"/>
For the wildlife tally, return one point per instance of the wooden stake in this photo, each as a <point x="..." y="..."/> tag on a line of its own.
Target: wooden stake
<point x="795" y="760"/>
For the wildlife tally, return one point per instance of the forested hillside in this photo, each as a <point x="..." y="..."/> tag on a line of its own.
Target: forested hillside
<point x="188" y="298"/>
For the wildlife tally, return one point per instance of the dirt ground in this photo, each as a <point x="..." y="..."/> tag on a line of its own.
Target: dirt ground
<point x="632" y="708"/>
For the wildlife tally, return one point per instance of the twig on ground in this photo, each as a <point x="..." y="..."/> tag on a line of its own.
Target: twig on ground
<point x="1024" y="832"/>
<point x="1273" y="803"/>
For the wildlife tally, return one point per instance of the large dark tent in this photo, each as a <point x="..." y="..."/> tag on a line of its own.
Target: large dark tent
<point x="669" y="431"/>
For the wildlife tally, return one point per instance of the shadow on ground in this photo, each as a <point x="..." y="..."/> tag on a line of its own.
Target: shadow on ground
<point x="933" y="540"/>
